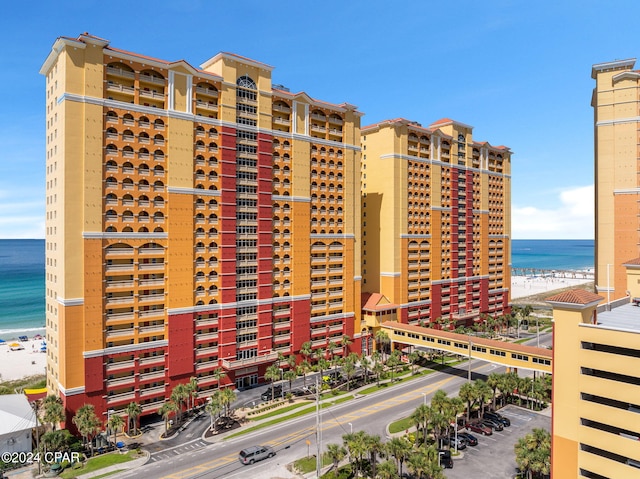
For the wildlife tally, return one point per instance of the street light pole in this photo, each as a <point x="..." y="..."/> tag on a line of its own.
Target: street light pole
<point x="350" y="428"/>
<point x="537" y="333"/>
<point x="469" y="366"/>
<point x="424" y="398"/>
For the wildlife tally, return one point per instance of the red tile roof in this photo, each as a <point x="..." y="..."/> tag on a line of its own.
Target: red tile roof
<point x="575" y="296"/>
<point x="633" y="262"/>
<point x="375" y="302"/>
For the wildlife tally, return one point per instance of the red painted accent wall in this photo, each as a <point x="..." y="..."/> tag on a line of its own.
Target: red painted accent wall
<point x="300" y="322"/>
<point x="181" y="354"/>
<point x="93" y="374"/>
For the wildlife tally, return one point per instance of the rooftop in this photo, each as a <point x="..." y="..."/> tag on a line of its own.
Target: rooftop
<point x="625" y="317"/>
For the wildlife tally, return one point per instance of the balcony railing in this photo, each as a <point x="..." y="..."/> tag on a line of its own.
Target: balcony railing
<point x="239" y="363"/>
<point x="121" y="397"/>
<point x="120" y="72"/>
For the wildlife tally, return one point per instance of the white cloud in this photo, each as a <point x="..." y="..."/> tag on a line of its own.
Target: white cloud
<point x="571" y="218"/>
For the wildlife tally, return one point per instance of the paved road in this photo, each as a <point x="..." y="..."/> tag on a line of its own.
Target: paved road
<point x="371" y="413"/>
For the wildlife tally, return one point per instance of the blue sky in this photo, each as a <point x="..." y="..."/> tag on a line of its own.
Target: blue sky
<point x="518" y="71"/>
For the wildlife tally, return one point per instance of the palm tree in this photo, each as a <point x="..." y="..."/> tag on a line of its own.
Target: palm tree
<point x="303" y="368"/>
<point x="218" y="374"/>
<point x="292" y="361"/>
<point x="349" y="368"/>
<point x="53" y="411"/>
<point x="483" y="393"/>
<point x="365" y="362"/>
<point x="178" y="396"/>
<point x="419" y="463"/>
<point x="533" y="452"/>
<point x="192" y="391"/>
<point x="133" y="412"/>
<point x="374" y="446"/>
<point x="323" y="365"/>
<point x="306" y="350"/>
<point x="213" y="407"/>
<point x="290" y="376"/>
<point x="400" y="449"/>
<point x="167" y="409"/>
<point x="414" y="357"/>
<point x="378" y="369"/>
<point x="87" y="423"/>
<point x="336" y="453"/>
<point x="272" y="374"/>
<point x="382" y="340"/>
<point x="421" y="418"/>
<point x="54" y="441"/>
<point x="227" y="396"/>
<point x="114" y="423"/>
<point x="393" y="362"/>
<point x="387" y="470"/>
<point x="493" y="381"/>
<point x="357" y="447"/>
<point x="468" y="394"/>
<point x="345" y="342"/>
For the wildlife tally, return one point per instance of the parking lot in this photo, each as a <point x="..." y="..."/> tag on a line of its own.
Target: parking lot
<point x="494" y="456"/>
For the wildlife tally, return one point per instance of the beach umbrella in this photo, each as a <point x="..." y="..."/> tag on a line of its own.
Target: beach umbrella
<point x="2" y="341"/>
<point x="14" y="345"/>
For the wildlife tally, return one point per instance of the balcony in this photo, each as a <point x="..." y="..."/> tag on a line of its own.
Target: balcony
<point x="149" y="391"/>
<point x="120" y="72"/>
<point x="152" y="375"/>
<point x="120" y="381"/>
<point x="148" y="361"/>
<point x="239" y="363"/>
<point x="207" y="105"/>
<point x="151" y="406"/>
<point x="119" y="300"/>
<point x="206" y="351"/>
<point x="120" y="284"/>
<point x="119" y="316"/>
<point x="151" y="313"/>
<point x="206" y="322"/>
<point x="157" y="328"/>
<point x="206" y="336"/>
<point x="282" y="108"/>
<point x="207" y="91"/>
<point x="151" y="94"/>
<point x="116" y="87"/>
<point x="207" y="365"/>
<point x="117" y="333"/>
<point x="151" y="282"/>
<point x="120" y="365"/>
<point x="150" y="266"/>
<point x="281" y="121"/>
<point x="116" y="398"/>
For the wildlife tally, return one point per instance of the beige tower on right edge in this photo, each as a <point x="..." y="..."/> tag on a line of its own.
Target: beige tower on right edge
<point x="616" y="111"/>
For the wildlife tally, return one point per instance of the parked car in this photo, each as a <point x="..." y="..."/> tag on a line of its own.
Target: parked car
<point x="469" y="438"/>
<point x="480" y="428"/>
<point x="495" y="425"/>
<point x="498" y="417"/>
<point x="451" y="441"/>
<point x="267" y="395"/>
<point x="445" y="458"/>
<point x="255" y="453"/>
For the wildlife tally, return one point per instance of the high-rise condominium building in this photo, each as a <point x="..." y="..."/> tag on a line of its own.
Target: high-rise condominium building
<point x="436" y="221"/>
<point x="197" y="220"/>
<point x="596" y="384"/>
<point x="616" y="108"/>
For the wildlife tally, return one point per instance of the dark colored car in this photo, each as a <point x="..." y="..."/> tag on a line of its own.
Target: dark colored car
<point x="498" y="417"/>
<point x="480" y="428"/>
<point x="444" y="456"/>
<point x="255" y="453"/>
<point x="469" y="438"/>
<point x="266" y="395"/>
<point x="495" y="425"/>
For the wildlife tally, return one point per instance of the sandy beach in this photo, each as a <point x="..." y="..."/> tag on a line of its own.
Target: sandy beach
<point x="21" y="363"/>
<point x="522" y="286"/>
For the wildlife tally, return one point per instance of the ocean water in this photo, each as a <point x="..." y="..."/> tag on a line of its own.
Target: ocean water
<point x="553" y="254"/>
<point x="22" y="288"/>
<point x="22" y="276"/>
